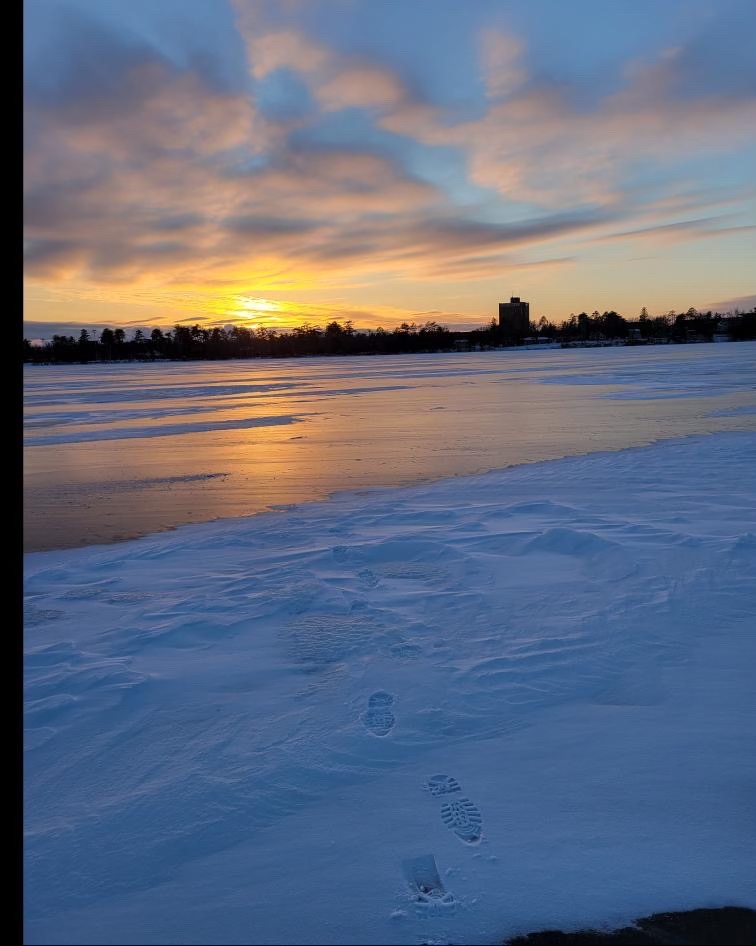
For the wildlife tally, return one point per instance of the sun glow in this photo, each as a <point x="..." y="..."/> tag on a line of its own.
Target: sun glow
<point x="251" y="308"/>
<point x="268" y="312"/>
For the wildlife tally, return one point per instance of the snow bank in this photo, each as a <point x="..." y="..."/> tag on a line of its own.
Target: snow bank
<point x="453" y="712"/>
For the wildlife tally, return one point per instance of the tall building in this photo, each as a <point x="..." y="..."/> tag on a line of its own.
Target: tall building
<point x="514" y="317"/>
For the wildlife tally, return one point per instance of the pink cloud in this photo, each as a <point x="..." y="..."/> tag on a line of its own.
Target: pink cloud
<point x="362" y="85"/>
<point x="268" y="51"/>
<point x="336" y="81"/>
<point x="500" y="55"/>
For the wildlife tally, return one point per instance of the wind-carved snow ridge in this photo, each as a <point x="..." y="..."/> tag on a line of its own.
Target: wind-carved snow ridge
<point x="227" y="726"/>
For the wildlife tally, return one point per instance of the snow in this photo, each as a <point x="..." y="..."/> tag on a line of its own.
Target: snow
<point x="538" y="679"/>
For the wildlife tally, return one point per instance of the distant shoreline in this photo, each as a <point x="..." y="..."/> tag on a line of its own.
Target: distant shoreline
<point x="182" y="343"/>
<point x="473" y="349"/>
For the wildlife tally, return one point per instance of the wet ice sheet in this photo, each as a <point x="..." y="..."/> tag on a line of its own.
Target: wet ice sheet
<point x="237" y="438"/>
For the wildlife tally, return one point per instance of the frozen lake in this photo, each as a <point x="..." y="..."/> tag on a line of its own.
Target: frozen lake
<point x="449" y="712"/>
<point x="115" y="452"/>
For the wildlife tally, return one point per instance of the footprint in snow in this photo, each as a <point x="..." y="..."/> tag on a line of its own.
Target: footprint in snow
<point x="460" y="815"/>
<point x="378" y="718"/>
<point x="464" y="818"/>
<point x="404" y="650"/>
<point x="426" y="886"/>
<point x="368" y="578"/>
<point x="442" y="785"/>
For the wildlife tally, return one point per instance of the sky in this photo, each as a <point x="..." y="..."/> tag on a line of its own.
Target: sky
<point x="280" y="162"/>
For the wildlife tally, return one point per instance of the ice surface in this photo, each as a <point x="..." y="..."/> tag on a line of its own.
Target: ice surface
<point x="541" y="678"/>
<point x="117" y="401"/>
<point x="195" y="442"/>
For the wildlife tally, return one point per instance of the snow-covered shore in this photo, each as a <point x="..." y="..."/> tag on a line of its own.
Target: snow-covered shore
<point x="233" y="729"/>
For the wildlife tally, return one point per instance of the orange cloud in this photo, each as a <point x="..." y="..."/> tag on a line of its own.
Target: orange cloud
<point x="174" y="190"/>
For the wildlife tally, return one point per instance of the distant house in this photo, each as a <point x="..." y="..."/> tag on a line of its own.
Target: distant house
<point x="514" y="317"/>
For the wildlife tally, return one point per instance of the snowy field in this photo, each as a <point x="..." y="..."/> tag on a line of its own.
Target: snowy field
<point x="537" y="681"/>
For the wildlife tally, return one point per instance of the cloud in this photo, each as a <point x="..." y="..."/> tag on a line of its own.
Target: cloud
<point x="178" y="221"/>
<point x="500" y="55"/>
<point x="280" y="49"/>
<point x="45" y="330"/>
<point x="677" y="231"/>
<point x="534" y="144"/>
<point x="155" y="148"/>
<point x="53" y="257"/>
<point x="487" y="267"/>
<point x="153" y="171"/>
<point x="335" y="80"/>
<point x="361" y="86"/>
<point x="717" y="60"/>
<point x="266" y="226"/>
<point x="438" y="247"/>
<point x="743" y="303"/>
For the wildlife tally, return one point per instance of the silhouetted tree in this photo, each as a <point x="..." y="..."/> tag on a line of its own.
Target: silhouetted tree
<point x="741" y="326"/>
<point x="343" y="339"/>
<point x="84" y="346"/>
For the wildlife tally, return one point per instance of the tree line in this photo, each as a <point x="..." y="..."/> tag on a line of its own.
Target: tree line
<point x="185" y="343"/>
